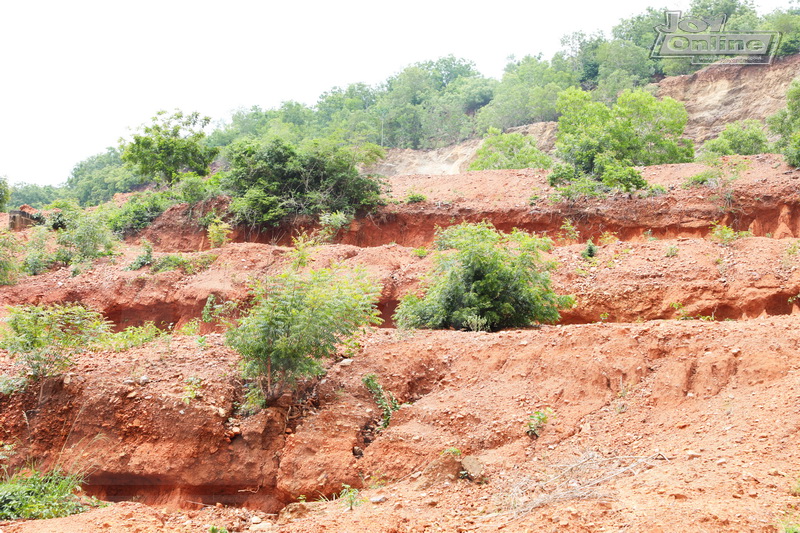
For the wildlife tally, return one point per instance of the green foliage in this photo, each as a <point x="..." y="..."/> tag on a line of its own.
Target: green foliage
<point x="786" y="124"/>
<point x="725" y="235"/>
<point x="604" y="143"/>
<point x="192" y="389"/>
<point x="170" y="145"/>
<point x="350" y="497"/>
<point x="527" y="93"/>
<point x="386" y="401"/>
<point x="420" y="252"/>
<point x="145" y="258"/>
<point x="193" y="189"/>
<point x="86" y="237"/>
<point x="40" y="495"/>
<point x="296" y="323"/>
<point x="98" y="178"/>
<point x="5" y="193"/>
<point x="37" y="257"/>
<point x="219" y="233"/>
<point x="44" y="338"/>
<point x="415" y="198"/>
<point x="590" y="250"/>
<point x="509" y="150"/>
<point x="581" y="188"/>
<point x="744" y="137"/>
<point x="273" y="179"/>
<point x="537" y="421"/>
<point x="189" y="266"/>
<point x="131" y="337"/>
<point x="9" y="264"/>
<point x="34" y="195"/>
<point x="138" y="212"/>
<point x="495" y="277"/>
<point x="332" y="223"/>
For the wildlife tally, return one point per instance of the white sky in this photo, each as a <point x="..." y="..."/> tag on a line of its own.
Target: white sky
<point x="76" y="76"/>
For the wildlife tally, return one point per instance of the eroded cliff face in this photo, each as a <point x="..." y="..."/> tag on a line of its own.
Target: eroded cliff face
<point x="720" y="94"/>
<point x="714" y="97"/>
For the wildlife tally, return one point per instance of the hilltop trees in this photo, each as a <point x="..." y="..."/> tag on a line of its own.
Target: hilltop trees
<point x="170" y="145"/>
<point x="786" y="124"/>
<point x="604" y="142"/>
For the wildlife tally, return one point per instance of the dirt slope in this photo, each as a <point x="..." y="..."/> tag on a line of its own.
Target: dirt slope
<point x="659" y="424"/>
<point x="713" y="96"/>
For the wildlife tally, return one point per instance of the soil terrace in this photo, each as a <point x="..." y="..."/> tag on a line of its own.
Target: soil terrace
<point x="660" y="424"/>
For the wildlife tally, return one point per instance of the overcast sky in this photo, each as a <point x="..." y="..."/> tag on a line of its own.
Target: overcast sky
<point x="78" y="75"/>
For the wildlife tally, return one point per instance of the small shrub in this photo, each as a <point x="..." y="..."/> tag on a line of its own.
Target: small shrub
<point x="192" y="389"/>
<point x="219" y="233"/>
<point x="39" y="495"/>
<point x="297" y="321"/>
<point x="509" y="150"/>
<point x="590" y="250"/>
<point x="86" y="237"/>
<point x="37" y="257"/>
<point x="671" y="251"/>
<point x="145" y="258"/>
<point x="350" y="497"/>
<point x="188" y="266"/>
<point x="420" y="252"/>
<point x="582" y="188"/>
<point x="568" y="231"/>
<point x="744" y="137"/>
<point x="537" y="421"/>
<point x="454" y="452"/>
<point x="700" y="179"/>
<point x="9" y="264"/>
<point x="726" y="235"/>
<point x="386" y="401"/>
<point x="608" y="237"/>
<point x="131" y="337"/>
<point x="332" y="223"/>
<point x="139" y="212"/>
<point x="44" y="339"/>
<point x="414" y="198"/>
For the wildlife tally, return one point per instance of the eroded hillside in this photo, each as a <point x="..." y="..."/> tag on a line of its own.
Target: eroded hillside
<point x="673" y="382"/>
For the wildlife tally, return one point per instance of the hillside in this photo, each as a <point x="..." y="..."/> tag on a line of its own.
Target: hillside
<point x="714" y="96"/>
<point x="666" y="417"/>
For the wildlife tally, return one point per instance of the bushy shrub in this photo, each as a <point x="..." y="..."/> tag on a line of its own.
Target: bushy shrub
<point x="9" y="264"/>
<point x="39" y="495"/>
<point x="139" y="212"/>
<point x="86" y="237"/>
<point x="743" y="137"/>
<point x="509" y="150"/>
<point x="297" y="321"/>
<point x="484" y="274"/>
<point x="273" y="179"/>
<point x="219" y="233"/>
<point x="43" y="339"/>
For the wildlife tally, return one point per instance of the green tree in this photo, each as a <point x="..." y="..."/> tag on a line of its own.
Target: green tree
<point x="5" y="192"/>
<point x="98" y="178"/>
<point x="34" y="195"/>
<point x="485" y="280"/>
<point x="786" y="124"/>
<point x="743" y="137"/>
<point x="296" y="323"/>
<point x="271" y="179"/>
<point x="170" y="145"/>
<point x="602" y="142"/>
<point x="528" y="93"/>
<point x="509" y="150"/>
